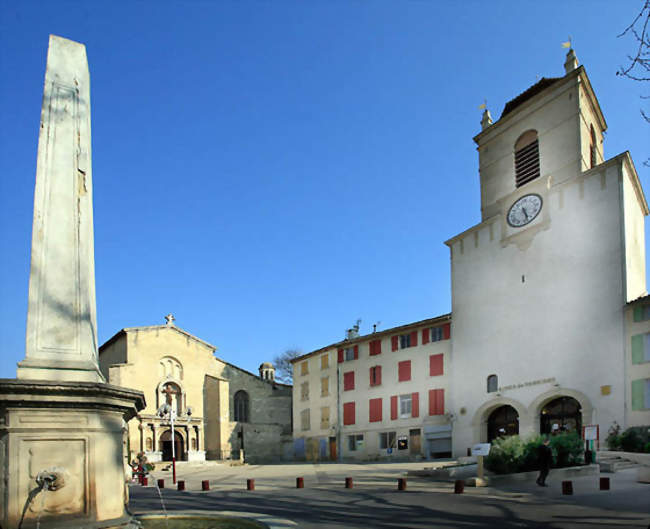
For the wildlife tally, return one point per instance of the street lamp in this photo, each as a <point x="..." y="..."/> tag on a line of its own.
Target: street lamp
<point x="167" y="412"/>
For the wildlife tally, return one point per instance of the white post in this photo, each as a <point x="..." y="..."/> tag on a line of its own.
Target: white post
<point x="172" y="416"/>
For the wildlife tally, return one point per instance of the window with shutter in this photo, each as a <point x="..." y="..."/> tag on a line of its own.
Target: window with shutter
<point x="374" y="407"/>
<point x="404" y="371"/>
<point x="436" y="365"/>
<point x="348" y="381"/>
<point x="349" y="413"/>
<point x="375" y="376"/>
<point x="436" y="402"/>
<point x="526" y="158"/>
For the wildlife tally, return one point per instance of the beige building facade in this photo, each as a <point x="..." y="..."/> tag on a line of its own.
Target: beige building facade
<point x="379" y="396"/>
<point x="550" y="322"/>
<point x="221" y="411"/>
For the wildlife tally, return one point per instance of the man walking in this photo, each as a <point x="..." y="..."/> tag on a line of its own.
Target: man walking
<point x="545" y="459"/>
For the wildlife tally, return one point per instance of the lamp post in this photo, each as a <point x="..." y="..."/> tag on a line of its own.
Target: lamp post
<point x="167" y="412"/>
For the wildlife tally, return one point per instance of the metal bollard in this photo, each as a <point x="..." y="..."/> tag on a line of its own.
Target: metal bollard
<point x="181" y="484"/>
<point x="348" y="483"/>
<point x="250" y="484"/>
<point x="567" y="488"/>
<point x="401" y="484"/>
<point x="300" y="483"/>
<point x="205" y="484"/>
<point x="161" y="483"/>
<point x="459" y="486"/>
<point x="145" y="481"/>
<point x="604" y="483"/>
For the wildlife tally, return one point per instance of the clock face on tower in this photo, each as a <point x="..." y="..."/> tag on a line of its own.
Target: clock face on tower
<point x="524" y="210"/>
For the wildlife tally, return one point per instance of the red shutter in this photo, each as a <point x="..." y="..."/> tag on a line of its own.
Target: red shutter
<point x="415" y="405"/>
<point x="436" y="365"/>
<point x="393" y="407"/>
<point x="340" y="356"/>
<point x="425" y="336"/>
<point x="375" y="347"/>
<point x="394" y="342"/>
<point x="414" y="338"/>
<point x="436" y="402"/>
<point x="348" y="381"/>
<point x="378" y="375"/>
<point x="372" y="382"/>
<point x="356" y="352"/>
<point x="446" y="331"/>
<point x="348" y="413"/>
<point x="374" y="407"/>
<point x="404" y="371"/>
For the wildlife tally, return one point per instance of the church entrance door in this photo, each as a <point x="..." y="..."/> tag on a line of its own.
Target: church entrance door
<point x="561" y="415"/>
<point x="502" y="422"/>
<point x="166" y="443"/>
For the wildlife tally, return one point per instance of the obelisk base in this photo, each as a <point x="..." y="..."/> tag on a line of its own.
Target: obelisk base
<point x="73" y="434"/>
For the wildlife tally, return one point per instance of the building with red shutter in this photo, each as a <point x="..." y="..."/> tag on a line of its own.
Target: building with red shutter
<point x="378" y="396"/>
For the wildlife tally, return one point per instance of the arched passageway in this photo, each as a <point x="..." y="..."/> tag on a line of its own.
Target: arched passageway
<point x="563" y="414"/>
<point x="166" y="444"/>
<point x="502" y="422"/>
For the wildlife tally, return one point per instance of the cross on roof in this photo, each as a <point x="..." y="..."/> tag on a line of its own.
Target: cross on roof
<point x="170" y="319"/>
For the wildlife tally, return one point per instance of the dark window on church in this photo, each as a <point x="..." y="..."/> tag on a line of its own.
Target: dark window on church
<point x="526" y="158"/>
<point x="241" y="406"/>
<point x="492" y="383"/>
<point x="593" y="149"/>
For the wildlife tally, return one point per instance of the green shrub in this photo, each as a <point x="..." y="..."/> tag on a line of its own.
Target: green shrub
<point x="505" y="455"/>
<point x="568" y="450"/>
<point x="631" y="441"/>
<point x="646" y="448"/>
<point x="514" y="454"/>
<point x="613" y="439"/>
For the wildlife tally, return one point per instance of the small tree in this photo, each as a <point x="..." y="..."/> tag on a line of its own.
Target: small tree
<point x="283" y="366"/>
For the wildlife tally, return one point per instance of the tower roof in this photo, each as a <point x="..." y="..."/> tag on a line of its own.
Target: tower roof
<point x="538" y="87"/>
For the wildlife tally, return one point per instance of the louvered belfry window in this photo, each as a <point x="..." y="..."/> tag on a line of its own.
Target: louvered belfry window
<point x="526" y="158"/>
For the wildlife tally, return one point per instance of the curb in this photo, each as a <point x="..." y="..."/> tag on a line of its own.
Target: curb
<point x="273" y="522"/>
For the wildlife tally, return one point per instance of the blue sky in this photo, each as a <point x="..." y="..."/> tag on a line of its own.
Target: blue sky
<point x="271" y="171"/>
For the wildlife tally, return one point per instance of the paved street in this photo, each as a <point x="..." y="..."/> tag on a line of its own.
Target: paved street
<point x="375" y="502"/>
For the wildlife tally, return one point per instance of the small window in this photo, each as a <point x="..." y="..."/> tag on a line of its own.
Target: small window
<point x="404" y="341"/>
<point x="387" y="440"/>
<point x="304" y="391"/>
<point x="526" y="158"/>
<point x="325" y="386"/>
<point x="492" y="383"/>
<point x="304" y="420"/>
<point x="593" y="149"/>
<point x="304" y="368"/>
<point x="324" y="361"/>
<point x="355" y="442"/>
<point x="324" y="418"/>
<point x="241" y="402"/>
<point x="349" y="354"/>
<point x="405" y="406"/>
<point x="642" y="313"/>
<point x="375" y="376"/>
<point x="436" y="334"/>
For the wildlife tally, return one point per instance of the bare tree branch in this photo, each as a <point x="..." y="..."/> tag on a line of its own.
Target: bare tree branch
<point x="283" y="366"/>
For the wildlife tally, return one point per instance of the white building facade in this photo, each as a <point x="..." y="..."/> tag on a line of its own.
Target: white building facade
<point x="551" y="318"/>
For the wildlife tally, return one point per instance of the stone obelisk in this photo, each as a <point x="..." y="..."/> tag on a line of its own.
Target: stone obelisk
<point x="61" y="341"/>
<point x="62" y="429"/>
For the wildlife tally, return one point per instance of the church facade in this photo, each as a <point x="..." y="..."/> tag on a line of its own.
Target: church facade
<point x="220" y="411"/>
<point x="550" y="322"/>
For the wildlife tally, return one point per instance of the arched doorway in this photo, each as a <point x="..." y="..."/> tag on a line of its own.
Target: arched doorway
<point x="166" y="443"/>
<point x="563" y="414"/>
<point x="502" y="422"/>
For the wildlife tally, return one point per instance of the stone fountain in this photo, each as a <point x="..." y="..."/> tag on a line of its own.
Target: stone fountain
<point x="61" y="426"/>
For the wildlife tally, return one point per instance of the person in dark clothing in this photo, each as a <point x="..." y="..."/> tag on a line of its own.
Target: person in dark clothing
<point x="545" y="459"/>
